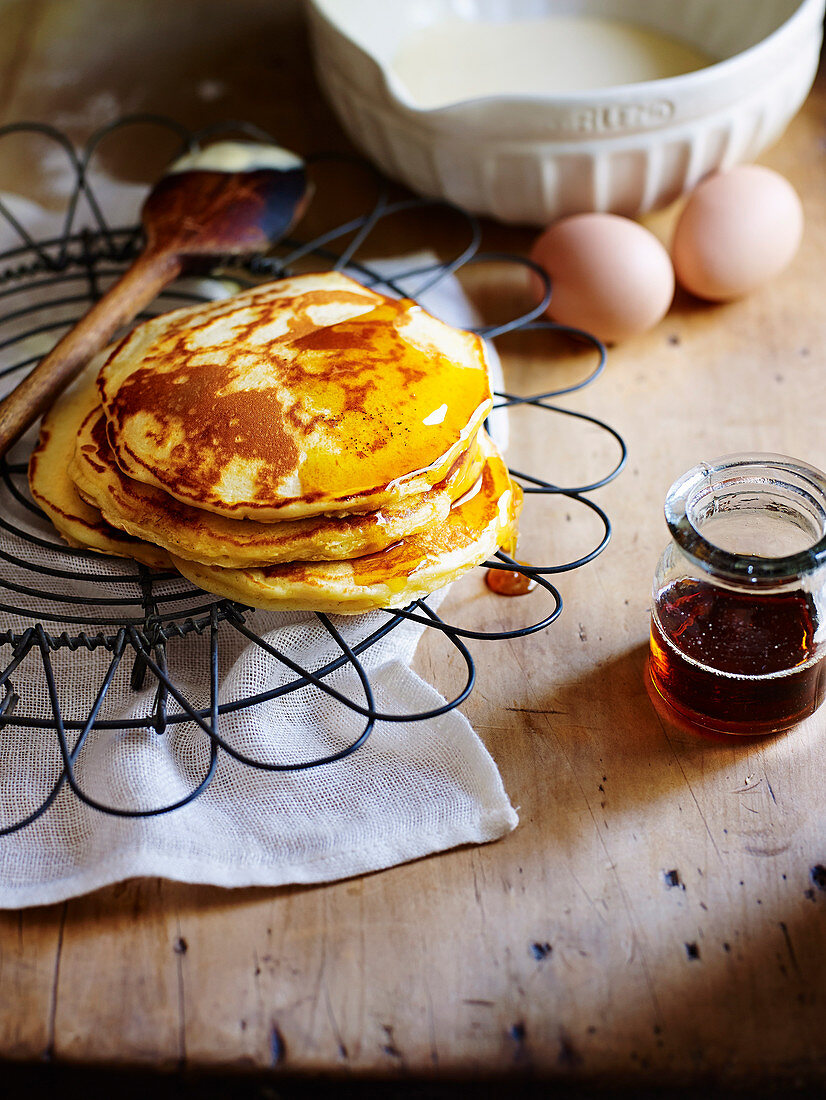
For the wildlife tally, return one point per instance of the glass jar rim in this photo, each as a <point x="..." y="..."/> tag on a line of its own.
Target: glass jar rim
<point x="743" y="469"/>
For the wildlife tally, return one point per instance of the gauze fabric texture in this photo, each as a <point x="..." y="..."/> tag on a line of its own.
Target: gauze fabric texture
<point x="411" y="789"/>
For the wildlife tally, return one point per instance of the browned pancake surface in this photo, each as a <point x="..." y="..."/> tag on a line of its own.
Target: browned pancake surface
<point x="484" y="519"/>
<point x="306" y="396"/>
<point x="149" y="513"/>
<point x="80" y="523"/>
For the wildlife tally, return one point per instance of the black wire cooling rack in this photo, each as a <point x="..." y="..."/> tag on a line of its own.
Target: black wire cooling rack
<point x="51" y="614"/>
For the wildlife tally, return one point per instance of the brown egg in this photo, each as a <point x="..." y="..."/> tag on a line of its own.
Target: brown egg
<point x="609" y="275"/>
<point x="737" y="230"/>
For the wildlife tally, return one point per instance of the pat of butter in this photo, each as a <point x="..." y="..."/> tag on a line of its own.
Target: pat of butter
<point x="236" y="156"/>
<point x="436" y="417"/>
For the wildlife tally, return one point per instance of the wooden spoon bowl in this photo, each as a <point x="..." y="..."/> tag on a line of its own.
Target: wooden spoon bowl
<point x="229" y="199"/>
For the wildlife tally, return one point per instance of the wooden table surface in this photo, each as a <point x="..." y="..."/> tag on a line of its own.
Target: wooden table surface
<point x="659" y="915"/>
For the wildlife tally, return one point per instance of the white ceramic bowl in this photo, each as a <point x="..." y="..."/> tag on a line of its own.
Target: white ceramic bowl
<point x="531" y="159"/>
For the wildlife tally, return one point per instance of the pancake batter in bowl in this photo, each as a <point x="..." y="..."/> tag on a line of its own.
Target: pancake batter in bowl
<point x="458" y="59"/>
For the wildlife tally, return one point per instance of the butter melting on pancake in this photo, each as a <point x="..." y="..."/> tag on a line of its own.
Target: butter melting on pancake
<point x="147" y="512"/>
<point x="478" y="524"/>
<point x="302" y="397"/>
<point x="79" y="523"/>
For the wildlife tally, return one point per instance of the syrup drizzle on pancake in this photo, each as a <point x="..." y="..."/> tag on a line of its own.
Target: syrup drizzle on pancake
<point x="270" y="407"/>
<point x="149" y="513"/>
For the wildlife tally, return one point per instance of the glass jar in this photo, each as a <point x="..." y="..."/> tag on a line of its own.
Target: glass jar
<point x="738" y="618"/>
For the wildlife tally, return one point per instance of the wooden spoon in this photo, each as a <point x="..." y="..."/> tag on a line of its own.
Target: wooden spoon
<point x="227" y="199"/>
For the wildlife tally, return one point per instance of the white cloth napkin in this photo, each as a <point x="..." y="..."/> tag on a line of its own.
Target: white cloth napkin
<point x="412" y="789"/>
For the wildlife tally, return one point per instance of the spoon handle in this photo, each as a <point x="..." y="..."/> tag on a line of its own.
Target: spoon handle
<point x="148" y="275"/>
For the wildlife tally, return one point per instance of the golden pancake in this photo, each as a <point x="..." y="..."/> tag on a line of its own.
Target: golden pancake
<point x="293" y="399"/>
<point x="149" y="513"/>
<point x="480" y="522"/>
<point x="79" y="523"/>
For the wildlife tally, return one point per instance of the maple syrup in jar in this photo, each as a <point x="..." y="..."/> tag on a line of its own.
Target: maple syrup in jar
<point x="738" y="618"/>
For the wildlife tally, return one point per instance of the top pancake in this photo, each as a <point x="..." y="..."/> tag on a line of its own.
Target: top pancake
<point x="300" y="397"/>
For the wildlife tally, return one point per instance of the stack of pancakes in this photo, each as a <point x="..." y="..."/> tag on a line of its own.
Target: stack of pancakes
<point x="308" y="444"/>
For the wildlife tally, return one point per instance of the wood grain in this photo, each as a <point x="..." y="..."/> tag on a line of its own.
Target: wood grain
<point x="659" y="915"/>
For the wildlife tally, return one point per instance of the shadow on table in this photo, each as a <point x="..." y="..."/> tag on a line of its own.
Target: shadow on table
<point x="606" y="742"/>
<point x="74" y="1083"/>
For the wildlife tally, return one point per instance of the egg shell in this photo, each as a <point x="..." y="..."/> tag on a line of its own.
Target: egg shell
<point x="609" y="275"/>
<point x="738" y="230"/>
